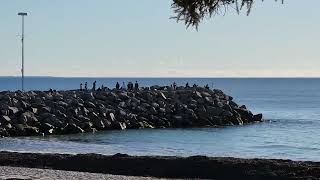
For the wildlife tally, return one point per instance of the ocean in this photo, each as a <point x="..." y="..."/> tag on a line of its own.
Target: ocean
<point x="291" y="108"/>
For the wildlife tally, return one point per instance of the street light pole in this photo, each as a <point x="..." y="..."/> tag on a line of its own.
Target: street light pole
<point x="22" y="50"/>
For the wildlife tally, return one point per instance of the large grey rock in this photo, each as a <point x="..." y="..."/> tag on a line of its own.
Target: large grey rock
<point x="98" y="124"/>
<point x="123" y="96"/>
<point x="153" y="110"/>
<point x="72" y="129"/>
<point x="197" y="95"/>
<point x="5" y="119"/>
<point x="233" y="104"/>
<point x="101" y="95"/>
<point x="245" y="114"/>
<point x="4" y="132"/>
<point x="258" y="117"/>
<point x="227" y="114"/>
<point x="155" y="105"/>
<point x="87" y="96"/>
<point x="214" y="111"/>
<point x="13" y="110"/>
<point x="25" y="105"/>
<point x="63" y="104"/>
<point x="28" y="118"/>
<point x="43" y="110"/>
<point x="26" y="130"/>
<point x="162" y="96"/>
<point x="201" y="101"/>
<point x="47" y="128"/>
<point x="122" y="104"/>
<point x="112" y="117"/>
<point x="90" y="104"/>
<point x="145" y="105"/>
<point x="162" y="110"/>
<point x="205" y="94"/>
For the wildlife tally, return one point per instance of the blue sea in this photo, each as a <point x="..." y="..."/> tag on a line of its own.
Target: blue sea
<point x="291" y="108"/>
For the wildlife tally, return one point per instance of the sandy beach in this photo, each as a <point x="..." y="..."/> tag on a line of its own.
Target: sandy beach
<point x="19" y="173"/>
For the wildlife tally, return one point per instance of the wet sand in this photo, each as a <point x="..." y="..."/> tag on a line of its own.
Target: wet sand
<point x="167" y="167"/>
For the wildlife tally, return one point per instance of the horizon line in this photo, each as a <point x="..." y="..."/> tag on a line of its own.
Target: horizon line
<point x="179" y="77"/>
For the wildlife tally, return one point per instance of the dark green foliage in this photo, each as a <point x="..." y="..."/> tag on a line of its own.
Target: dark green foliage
<point x="192" y="12"/>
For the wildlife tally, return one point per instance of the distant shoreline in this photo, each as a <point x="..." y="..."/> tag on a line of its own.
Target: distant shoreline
<point x="167" y="167"/>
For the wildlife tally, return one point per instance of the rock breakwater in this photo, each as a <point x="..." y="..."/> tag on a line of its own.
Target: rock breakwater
<point x="66" y="112"/>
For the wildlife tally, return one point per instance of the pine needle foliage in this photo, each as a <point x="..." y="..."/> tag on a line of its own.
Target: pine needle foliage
<point x="192" y="12"/>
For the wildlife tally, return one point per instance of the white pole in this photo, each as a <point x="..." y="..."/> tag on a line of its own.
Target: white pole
<point x="22" y="50"/>
<point x="22" y="41"/>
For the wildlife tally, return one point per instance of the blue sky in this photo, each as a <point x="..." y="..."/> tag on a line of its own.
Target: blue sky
<point x="103" y="38"/>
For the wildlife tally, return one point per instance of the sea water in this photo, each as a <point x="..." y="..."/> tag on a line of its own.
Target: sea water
<point x="291" y="108"/>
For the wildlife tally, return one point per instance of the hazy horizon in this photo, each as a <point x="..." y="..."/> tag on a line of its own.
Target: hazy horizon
<point x="100" y="38"/>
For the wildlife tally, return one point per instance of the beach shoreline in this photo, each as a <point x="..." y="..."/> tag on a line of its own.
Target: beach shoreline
<point x="167" y="166"/>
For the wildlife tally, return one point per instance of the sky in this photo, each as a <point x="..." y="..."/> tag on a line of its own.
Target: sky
<point x="129" y="38"/>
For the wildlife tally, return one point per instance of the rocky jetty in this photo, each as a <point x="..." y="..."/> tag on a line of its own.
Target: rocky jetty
<point x="66" y="112"/>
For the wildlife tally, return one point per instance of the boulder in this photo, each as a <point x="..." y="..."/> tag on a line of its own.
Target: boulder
<point x="201" y="101"/>
<point x="96" y="121"/>
<point x="90" y="105"/>
<point x="98" y="124"/>
<point x="145" y="105"/>
<point x="34" y="110"/>
<point x="26" y="130"/>
<point x="63" y="104"/>
<point x="122" y="125"/>
<point x="197" y="95"/>
<point x="28" y="118"/>
<point x="54" y="121"/>
<point x="205" y="94"/>
<point x="214" y="111"/>
<point x="87" y="96"/>
<point x="107" y="123"/>
<point x="122" y="113"/>
<point x="145" y="124"/>
<point x="5" y="119"/>
<point x="7" y="126"/>
<point x="72" y="129"/>
<point x="149" y="97"/>
<point x="162" y="110"/>
<point x="43" y="110"/>
<point x="243" y="107"/>
<point x="101" y="96"/>
<point x="4" y="133"/>
<point x="258" y="117"/>
<point x="208" y="99"/>
<point x="233" y="104"/>
<point x="123" y="96"/>
<point x="162" y="96"/>
<point x="60" y="114"/>
<point x="245" y="114"/>
<point x="155" y="105"/>
<point x="235" y="121"/>
<point x="25" y="105"/>
<point x="13" y="110"/>
<point x="122" y="104"/>
<point x="153" y="110"/>
<point x="227" y="114"/>
<point x="112" y="117"/>
<point x="46" y="128"/>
